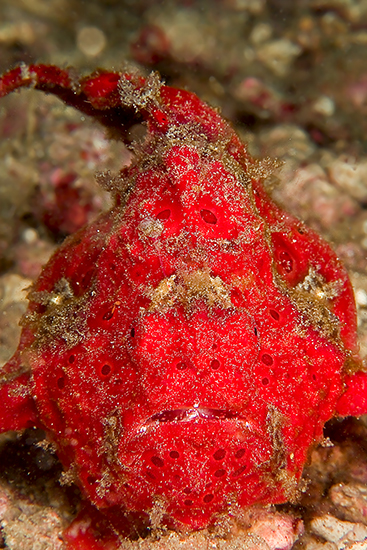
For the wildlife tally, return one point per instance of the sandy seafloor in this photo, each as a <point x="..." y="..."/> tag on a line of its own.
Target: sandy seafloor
<point x="291" y="75"/>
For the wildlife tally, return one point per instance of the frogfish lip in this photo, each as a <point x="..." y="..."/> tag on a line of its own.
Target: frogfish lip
<point x="199" y="417"/>
<point x="191" y="414"/>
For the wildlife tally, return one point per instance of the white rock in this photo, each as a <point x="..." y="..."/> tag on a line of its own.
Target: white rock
<point x="91" y="41"/>
<point x="324" y="106"/>
<point x="314" y="544"/>
<point x="362" y="545"/>
<point x="351" y="176"/>
<point x="278" y="55"/>
<point x="12" y="289"/>
<point x="340" y="532"/>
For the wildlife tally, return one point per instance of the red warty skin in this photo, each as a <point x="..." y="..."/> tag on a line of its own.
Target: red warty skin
<point x="185" y="350"/>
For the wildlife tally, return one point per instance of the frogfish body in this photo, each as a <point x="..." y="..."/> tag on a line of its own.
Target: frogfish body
<point x="184" y="351"/>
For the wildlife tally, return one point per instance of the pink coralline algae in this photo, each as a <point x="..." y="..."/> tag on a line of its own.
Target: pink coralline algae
<point x="184" y="351"/>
